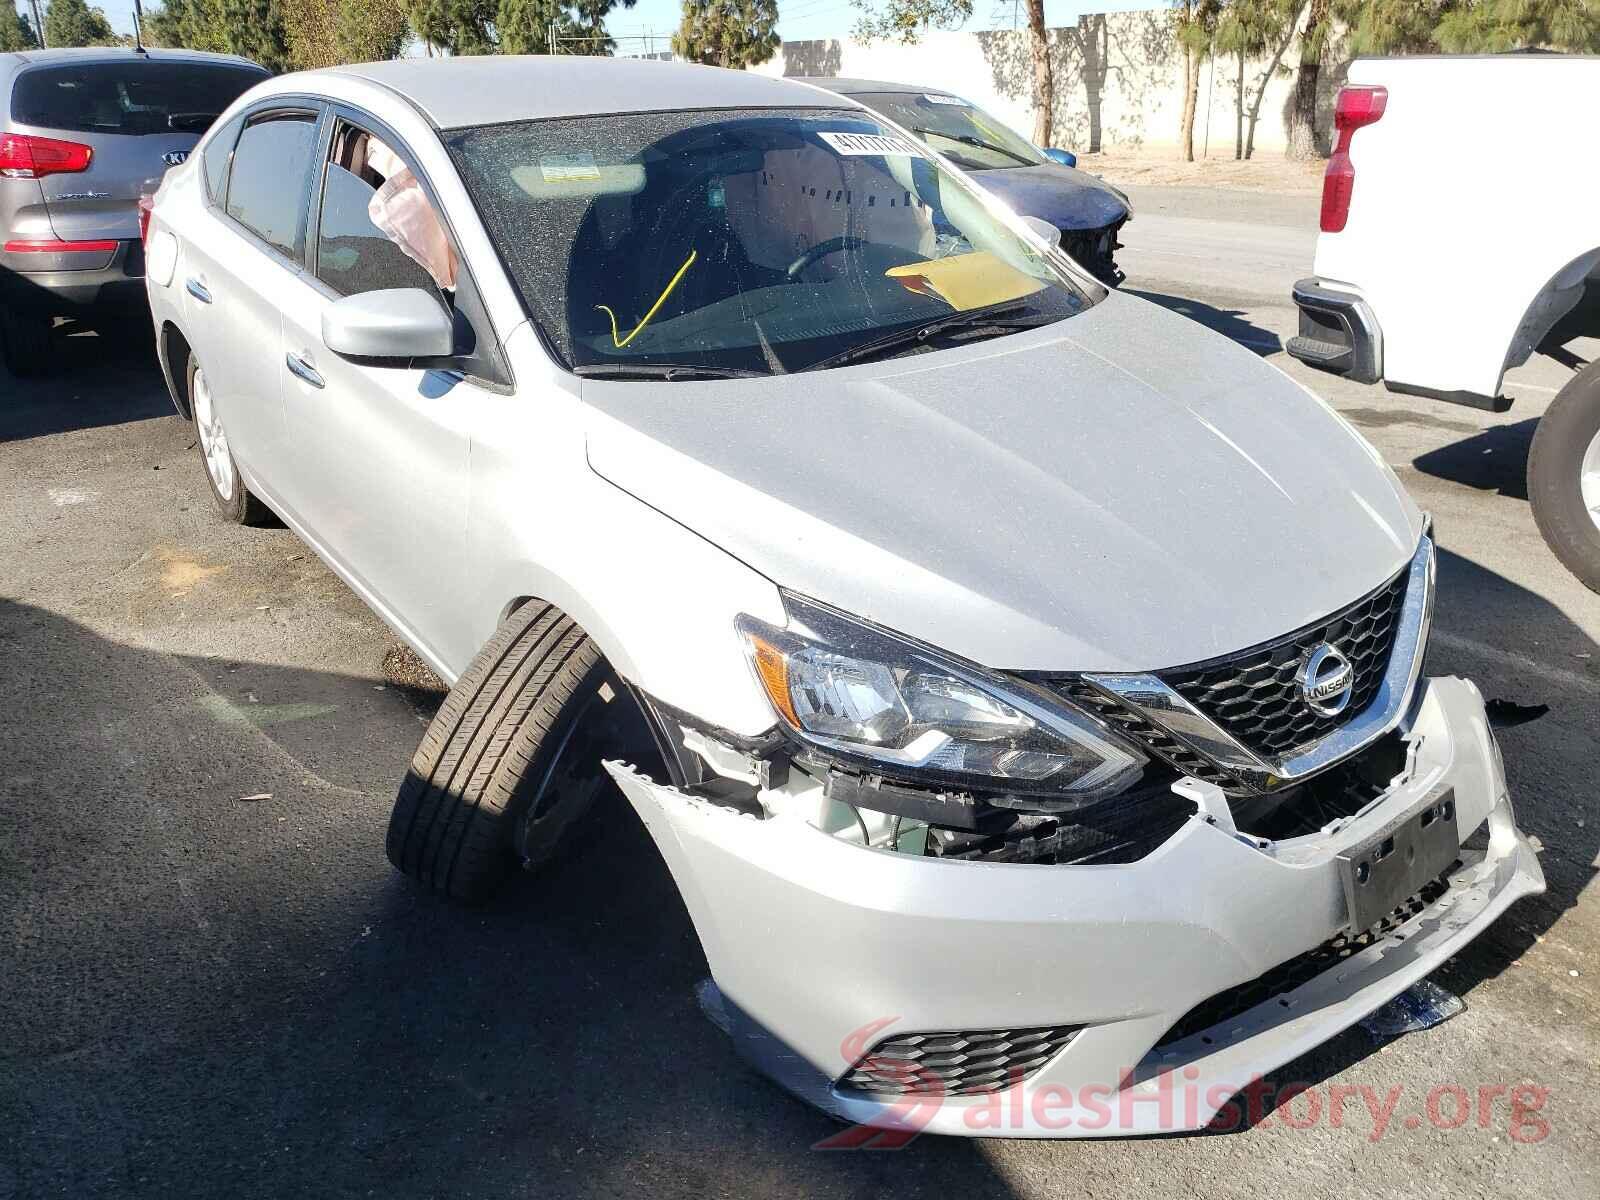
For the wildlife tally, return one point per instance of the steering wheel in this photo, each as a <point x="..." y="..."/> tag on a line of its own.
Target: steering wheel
<point x="833" y="245"/>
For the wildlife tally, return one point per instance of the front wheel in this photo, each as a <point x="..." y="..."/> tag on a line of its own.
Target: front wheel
<point x="511" y="761"/>
<point x="1564" y="475"/>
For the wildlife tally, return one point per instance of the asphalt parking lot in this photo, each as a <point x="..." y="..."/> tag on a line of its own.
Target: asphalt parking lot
<point x="214" y="984"/>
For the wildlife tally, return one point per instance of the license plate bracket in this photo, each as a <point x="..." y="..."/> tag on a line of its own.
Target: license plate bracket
<point x="1386" y="869"/>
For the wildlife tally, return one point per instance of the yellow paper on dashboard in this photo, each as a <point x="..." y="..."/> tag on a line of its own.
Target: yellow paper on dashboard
<point x="966" y="281"/>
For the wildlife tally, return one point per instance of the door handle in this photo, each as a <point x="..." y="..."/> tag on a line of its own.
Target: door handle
<point x="299" y="366"/>
<point x="198" y="290"/>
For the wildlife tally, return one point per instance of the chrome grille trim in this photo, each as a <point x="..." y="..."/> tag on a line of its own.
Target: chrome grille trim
<point x="1162" y="706"/>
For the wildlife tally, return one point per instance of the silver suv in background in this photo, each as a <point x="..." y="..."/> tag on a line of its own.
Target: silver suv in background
<point x="83" y="133"/>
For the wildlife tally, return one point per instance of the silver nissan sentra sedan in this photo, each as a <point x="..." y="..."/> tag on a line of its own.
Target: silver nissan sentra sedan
<point x="1023" y="684"/>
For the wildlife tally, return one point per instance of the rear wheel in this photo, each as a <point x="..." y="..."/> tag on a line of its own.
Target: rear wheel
<point x="1564" y="475"/>
<point x="512" y="759"/>
<point x="222" y="473"/>
<point x="25" y="342"/>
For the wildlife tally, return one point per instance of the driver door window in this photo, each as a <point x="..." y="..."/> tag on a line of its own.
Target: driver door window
<point x="378" y="229"/>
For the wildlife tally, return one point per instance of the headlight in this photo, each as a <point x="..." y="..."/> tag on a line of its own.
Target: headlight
<point x="851" y="688"/>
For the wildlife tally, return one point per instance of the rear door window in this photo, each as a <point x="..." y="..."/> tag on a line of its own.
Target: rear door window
<point x="268" y="185"/>
<point x="133" y="97"/>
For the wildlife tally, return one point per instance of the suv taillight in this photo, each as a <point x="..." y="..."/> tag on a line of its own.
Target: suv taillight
<point x="147" y="204"/>
<point x="1356" y="106"/>
<point x="23" y="156"/>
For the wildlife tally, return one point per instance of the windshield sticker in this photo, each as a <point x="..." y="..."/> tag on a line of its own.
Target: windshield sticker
<point x="956" y="100"/>
<point x="569" y="168"/>
<point x="870" y="144"/>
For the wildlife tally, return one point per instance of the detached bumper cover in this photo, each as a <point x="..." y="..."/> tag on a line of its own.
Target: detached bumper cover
<point x="822" y="949"/>
<point x="1338" y="332"/>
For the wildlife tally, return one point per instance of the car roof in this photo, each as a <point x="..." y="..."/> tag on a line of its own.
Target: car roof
<point x="856" y="87"/>
<point x="86" y="54"/>
<point x="495" y="89"/>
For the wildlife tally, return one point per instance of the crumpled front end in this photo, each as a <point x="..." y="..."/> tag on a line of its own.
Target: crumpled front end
<point x="907" y="989"/>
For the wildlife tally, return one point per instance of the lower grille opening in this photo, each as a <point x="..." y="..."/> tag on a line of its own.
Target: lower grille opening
<point x="1303" y="968"/>
<point x="959" y="1063"/>
<point x="1333" y="794"/>
<point x="1123" y="829"/>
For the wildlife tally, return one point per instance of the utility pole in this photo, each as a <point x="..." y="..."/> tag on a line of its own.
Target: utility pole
<point x="38" y="23"/>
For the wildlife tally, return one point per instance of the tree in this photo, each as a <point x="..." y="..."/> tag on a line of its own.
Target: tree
<point x="524" y="26"/>
<point x="325" y="33"/>
<point x="1250" y="29"/>
<point x="164" y="26"/>
<point x="1044" y="75"/>
<point x="253" y="29"/>
<point x="1302" y="115"/>
<point x="727" y="33"/>
<point x="17" y="35"/>
<point x="458" y="26"/>
<point x="1195" y="26"/>
<point x="74" y="23"/>
<point x="905" y="21"/>
<point x="1391" y="26"/>
<point x="1491" y="26"/>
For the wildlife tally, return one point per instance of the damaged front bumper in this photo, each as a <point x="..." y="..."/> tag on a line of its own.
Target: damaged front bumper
<point x="1095" y="985"/>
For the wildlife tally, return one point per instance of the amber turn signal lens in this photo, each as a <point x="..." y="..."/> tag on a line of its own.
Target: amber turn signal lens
<point x="772" y="667"/>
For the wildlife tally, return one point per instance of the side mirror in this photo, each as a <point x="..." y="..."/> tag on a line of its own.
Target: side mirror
<point x="1047" y="232"/>
<point x="394" y="323"/>
<point x="1065" y="157"/>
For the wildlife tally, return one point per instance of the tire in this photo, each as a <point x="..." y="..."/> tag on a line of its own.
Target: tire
<point x="234" y="501"/>
<point x="511" y="761"/>
<point x="25" y="342"/>
<point x="1565" y="445"/>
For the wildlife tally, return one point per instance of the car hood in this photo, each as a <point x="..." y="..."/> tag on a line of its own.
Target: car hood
<point x="1121" y="491"/>
<point x="1064" y="196"/>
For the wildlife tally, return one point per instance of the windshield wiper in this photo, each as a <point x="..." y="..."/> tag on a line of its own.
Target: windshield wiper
<point x="966" y="139"/>
<point x="997" y="317"/>
<point x="671" y="372"/>
<point x="189" y="122"/>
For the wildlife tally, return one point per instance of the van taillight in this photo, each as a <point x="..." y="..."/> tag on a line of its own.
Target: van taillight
<point x="1356" y="106"/>
<point x="23" y="156"/>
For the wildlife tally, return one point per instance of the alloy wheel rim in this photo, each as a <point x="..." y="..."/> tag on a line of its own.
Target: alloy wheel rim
<point x="213" y="439"/>
<point x="1589" y="480"/>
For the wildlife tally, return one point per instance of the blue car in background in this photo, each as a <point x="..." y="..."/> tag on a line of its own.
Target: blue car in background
<point x="1036" y="183"/>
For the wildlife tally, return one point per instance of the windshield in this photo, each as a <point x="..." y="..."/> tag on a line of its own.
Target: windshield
<point x="961" y="132"/>
<point x="763" y="241"/>
<point x="133" y="96"/>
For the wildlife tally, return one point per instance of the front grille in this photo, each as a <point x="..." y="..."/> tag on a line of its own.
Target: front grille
<point x="1095" y="250"/>
<point x="1302" y="969"/>
<point x="1254" y="695"/>
<point x="1122" y="830"/>
<point x="962" y="1063"/>
<point x="1157" y="741"/>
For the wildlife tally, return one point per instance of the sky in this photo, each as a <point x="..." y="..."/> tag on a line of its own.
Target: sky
<point x="797" y="19"/>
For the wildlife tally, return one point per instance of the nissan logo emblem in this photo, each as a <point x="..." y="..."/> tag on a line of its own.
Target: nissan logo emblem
<point x="1326" y="680"/>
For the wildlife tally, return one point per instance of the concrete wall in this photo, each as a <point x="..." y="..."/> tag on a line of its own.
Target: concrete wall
<point x="1118" y="76"/>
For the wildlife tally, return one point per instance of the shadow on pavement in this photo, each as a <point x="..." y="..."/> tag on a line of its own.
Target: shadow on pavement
<point x="208" y="994"/>
<point x="103" y="376"/>
<point x="1495" y="460"/>
<point x="1229" y="322"/>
